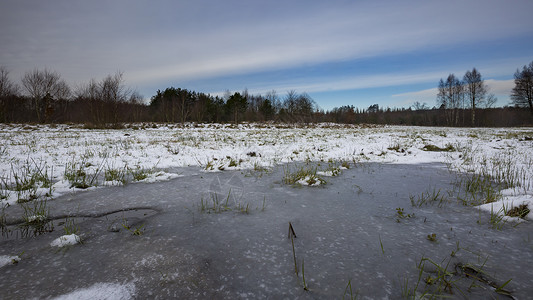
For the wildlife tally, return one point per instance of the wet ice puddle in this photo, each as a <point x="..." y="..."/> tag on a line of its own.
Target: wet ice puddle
<point x="226" y="235"/>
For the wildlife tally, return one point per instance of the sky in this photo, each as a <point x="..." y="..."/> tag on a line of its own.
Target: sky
<point x="358" y="53"/>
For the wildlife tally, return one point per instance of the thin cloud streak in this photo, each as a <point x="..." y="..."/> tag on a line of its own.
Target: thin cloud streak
<point x="423" y="94"/>
<point x="501" y="88"/>
<point x="363" y="82"/>
<point x="316" y="34"/>
<point x="495" y="86"/>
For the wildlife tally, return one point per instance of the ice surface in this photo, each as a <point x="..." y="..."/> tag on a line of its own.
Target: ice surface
<point x="348" y="229"/>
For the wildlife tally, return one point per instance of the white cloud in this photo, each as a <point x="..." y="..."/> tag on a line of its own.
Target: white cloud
<point x="205" y="39"/>
<point x="495" y="86"/>
<point x="500" y="87"/>
<point x="322" y="84"/>
<point x="427" y="96"/>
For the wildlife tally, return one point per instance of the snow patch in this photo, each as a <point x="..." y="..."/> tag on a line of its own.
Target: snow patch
<point x="159" y="176"/>
<point x="311" y="181"/>
<point x="36" y="218"/>
<point x="101" y="291"/>
<point x="113" y="183"/>
<point x="330" y="173"/>
<point x="508" y="203"/>
<point x="8" y="260"/>
<point x="66" y="240"/>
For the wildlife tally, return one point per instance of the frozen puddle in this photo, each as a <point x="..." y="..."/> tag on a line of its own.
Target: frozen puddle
<point x="225" y="235"/>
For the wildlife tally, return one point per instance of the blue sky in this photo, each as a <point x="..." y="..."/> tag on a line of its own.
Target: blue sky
<point x="392" y="53"/>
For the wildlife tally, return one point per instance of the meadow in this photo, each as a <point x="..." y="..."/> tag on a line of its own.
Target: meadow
<point x="391" y="211"/>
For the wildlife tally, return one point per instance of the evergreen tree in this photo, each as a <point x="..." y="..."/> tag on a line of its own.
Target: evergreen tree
<point x="235" y="106"/>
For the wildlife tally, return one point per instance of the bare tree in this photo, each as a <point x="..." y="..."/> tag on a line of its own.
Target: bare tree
<point x="522" y="94"/>
<point x="490" y="101"/>
<point x="39" y="83"/>
<point x="63" y="90"/>
<point x="475" y="90"/>
<point x="451" y="98"/>
<point x="44" y="86"/>
<point x="420" y="106"/>
<point x="113" y="93"/>
<point x="7" y="87"/>
<point x="87" y="91"/>
<point x="112" y="88"/>
<point x="290" y="101"/>
<point x="105" y="97"/>
<point x="274" y="100"/>
<point x="136" y="98"/>
<point x="305" y="105"/>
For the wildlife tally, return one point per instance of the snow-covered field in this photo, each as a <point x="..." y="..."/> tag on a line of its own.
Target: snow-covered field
<point x="38" y="161"/>
<point x="43" y="163"/>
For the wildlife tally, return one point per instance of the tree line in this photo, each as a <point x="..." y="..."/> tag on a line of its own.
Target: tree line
<point x="44" y="97"/>
<point x="459" y="97"/>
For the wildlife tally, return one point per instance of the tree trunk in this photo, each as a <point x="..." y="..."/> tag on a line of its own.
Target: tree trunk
<point x="473" y="113"/>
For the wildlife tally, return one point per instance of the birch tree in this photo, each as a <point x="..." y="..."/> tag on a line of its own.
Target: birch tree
<point x="475" y="91"/>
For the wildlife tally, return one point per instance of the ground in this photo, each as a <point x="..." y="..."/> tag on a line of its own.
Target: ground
<point x="204" y="210"/>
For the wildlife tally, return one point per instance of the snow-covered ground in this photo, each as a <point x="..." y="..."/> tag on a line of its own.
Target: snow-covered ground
<point x="354" y="213"/>
<point x="70" y="158"/>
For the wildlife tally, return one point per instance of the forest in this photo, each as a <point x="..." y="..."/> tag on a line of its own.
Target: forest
<point x="45" y="97"/>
